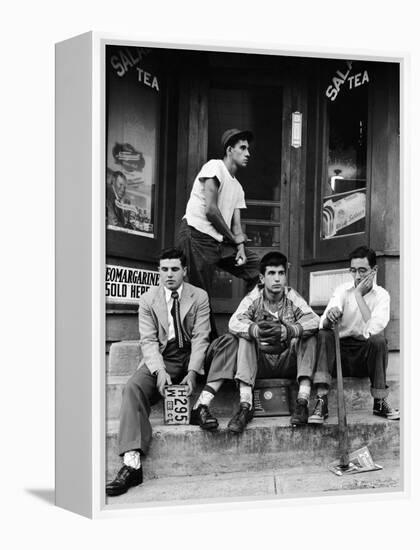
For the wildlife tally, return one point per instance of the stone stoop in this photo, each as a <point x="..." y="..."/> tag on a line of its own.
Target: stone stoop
<point x="267" y="443"/>
<point x="124" y="358"/>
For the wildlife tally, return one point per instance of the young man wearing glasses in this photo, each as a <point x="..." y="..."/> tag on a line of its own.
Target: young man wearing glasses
<point x="361" y="309"/>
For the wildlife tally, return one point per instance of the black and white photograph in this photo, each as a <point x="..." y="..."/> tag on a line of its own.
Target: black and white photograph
<point x="209" y="333"/>
<point x="252" y="275"/>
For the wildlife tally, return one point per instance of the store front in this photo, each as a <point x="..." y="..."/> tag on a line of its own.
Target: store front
<point x="323" y="176"/>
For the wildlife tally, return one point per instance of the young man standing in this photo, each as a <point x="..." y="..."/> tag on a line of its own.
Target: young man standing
<point x="211" y="234"/>
<point x="361" y="310"/>
<point x="273" y="334"/>
<point x="174" y="335"/>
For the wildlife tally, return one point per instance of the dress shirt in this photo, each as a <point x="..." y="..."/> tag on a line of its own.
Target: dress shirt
<point x="169" y="303"/>
<point x="352" y="323"/>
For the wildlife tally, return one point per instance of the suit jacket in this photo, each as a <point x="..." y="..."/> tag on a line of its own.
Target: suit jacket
<point x="153" y="326"/>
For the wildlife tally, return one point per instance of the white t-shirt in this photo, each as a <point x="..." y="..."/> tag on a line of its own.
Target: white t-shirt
<point x="230" y="196"/>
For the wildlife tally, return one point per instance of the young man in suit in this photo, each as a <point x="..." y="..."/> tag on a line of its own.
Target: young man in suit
<point x="174" y="335"/>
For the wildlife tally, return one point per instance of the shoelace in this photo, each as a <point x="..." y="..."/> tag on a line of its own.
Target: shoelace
<point x="124" y="473"/>
<point x="318" y="406"/>
<point x="386" y="407"/>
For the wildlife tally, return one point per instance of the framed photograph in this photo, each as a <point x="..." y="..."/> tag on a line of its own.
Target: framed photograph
<point x="233" y="157"/>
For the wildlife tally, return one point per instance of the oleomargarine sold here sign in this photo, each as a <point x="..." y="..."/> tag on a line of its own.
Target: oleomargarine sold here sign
<point x="127" y="284"/>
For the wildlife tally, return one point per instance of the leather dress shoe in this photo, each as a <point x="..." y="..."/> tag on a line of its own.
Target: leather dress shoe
<point x="201" y="416"/>
<point x="127" y="477"/>
<point x="241" y="418"/>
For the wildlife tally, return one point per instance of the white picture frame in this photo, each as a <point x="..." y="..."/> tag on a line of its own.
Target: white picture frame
<point x="80" y="301"/>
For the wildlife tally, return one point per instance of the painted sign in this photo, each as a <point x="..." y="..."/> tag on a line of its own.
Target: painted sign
<point x="344" y="77"/>
<point x="127" y="284"/>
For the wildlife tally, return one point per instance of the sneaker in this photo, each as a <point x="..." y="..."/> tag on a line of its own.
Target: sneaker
<point x="238" y="422"/>
<point x="320" y="412"/>
<point x="201" y="416"/>
<point x="384" y="409"/>
<point x="127" y="477"/>
<point x="300" y="414"/>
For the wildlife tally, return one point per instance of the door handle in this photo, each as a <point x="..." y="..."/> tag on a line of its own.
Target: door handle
<point x="284" y="179"/>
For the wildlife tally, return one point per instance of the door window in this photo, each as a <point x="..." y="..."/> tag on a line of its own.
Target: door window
<point x="247" y="109"/>
<point x="345" y="181"/>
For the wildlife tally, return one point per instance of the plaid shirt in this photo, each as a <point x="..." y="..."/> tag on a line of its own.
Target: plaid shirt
<point x="293" y="312"/>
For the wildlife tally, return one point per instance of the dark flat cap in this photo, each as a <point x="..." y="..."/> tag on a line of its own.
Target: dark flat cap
<point x="235" y="133"/>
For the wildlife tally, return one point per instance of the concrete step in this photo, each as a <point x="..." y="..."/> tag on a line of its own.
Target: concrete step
<point x="124" y="358"/>
<point x="356" y="393"/>
<point x="267" y="443"/>
<point x="261" y="485"/>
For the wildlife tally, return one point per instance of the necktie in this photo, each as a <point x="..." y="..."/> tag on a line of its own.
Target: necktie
<point x="177" y="320"/>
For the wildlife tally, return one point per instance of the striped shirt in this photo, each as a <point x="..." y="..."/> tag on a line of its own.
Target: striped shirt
<point x="292" y="311"/>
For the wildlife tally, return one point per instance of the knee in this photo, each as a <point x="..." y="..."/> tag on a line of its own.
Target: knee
<point x="309" y="343"/>
<point x="227" y="340"/>
<point x="130" y="388"/>
<point x="325" y="335"/>
<point x="377" y="341"/>
<point x="222" y="343"/>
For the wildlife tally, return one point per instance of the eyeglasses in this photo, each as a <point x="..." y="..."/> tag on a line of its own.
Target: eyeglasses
<point x="359" y="270"/>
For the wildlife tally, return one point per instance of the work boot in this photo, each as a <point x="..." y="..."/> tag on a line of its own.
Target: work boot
<point x="238" y="422"/>
<point x="300" y="414"/>
<point x="384" y="409"/>
<point x="201" y="416"/>
<point x="320" y="412"/>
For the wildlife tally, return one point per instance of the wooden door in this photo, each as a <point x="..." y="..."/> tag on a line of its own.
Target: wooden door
<point x="264" y="109"/>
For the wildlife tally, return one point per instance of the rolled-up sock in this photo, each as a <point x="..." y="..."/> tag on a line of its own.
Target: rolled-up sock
<point x="132" y="459"/>
<point x="206" y="396"/>
<point x="304" y="389"/>
<point x="322" y="390"/>
<point x="245" y="393"/>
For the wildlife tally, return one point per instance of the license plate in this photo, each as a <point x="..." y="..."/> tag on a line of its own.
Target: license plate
<point x="176" y="405"/>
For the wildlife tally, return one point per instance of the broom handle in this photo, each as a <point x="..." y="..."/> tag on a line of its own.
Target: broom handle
<point x="343" y="437"/>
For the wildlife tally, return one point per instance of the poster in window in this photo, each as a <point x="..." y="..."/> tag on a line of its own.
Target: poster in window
<point x="133" y="120"/>
<point x="344" y="214"/>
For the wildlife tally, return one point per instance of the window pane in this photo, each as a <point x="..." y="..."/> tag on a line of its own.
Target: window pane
<point x="257" y="109"/>
<point x="133" y="121"/>
<point x="344" y="190"/>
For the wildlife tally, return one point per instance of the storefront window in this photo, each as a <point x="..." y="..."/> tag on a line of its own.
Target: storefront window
<point x="344" y="188"/>
<point x="133" y="122"/>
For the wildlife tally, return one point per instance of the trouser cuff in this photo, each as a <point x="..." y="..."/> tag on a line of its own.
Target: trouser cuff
<point x="322" y="378"/>
<point x="245" y="380"/>
<point x="379" y="393"/>
<point x="131" y="446"/>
